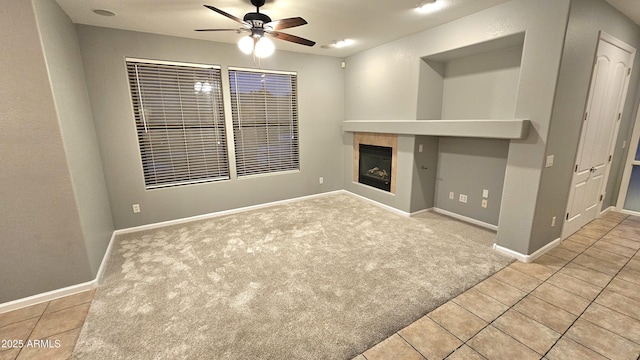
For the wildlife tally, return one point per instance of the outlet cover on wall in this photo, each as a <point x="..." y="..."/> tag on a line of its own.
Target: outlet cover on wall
<point x="451" y="195"/>
<point x="136" y="208"/>
<point x="462" y="198"/>
<point x="321" y="180"/>
<point x="485" y="203"/>
<point x="485" y="193"/>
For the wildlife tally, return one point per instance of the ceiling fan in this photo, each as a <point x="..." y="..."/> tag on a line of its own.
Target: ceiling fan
<point x="259" y="25"/>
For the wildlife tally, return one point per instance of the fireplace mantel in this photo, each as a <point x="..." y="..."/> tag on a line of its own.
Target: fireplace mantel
<point x="494" y="129"/>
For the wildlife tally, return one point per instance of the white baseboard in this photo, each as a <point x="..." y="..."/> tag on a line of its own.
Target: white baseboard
<point x="385" y="206"/>
<point x="421" y="211"/>
<point x="527" y="258"/>
<point x="610" y="208"/>
<point x="105" y="257"/>
<point x="630" y="212"/>
<point x="219" y="213"/>
<point x="466" y="219"/>
<point x="47" y="296"/>
<point x="66" y="291"/>
<point x="434" y="209"/>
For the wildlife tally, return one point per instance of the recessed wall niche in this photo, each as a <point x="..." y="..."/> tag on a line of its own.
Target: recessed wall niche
<point x="477" y="82"/>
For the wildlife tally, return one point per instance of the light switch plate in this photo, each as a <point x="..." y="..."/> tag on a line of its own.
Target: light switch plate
<point x="549" y="162"/>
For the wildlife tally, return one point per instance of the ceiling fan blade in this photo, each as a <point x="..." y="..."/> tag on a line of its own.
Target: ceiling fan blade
<point x="236" y="19"/>
<point x="286" y="23"/>
<point x="291" y="38"/>
<point x="237" y="30"/>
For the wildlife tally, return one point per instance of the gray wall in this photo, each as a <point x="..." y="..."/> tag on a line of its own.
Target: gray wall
<point x="62" y="55"/>
<point x="43" y="248"/>
<point x="394" y="92"/>
<point x="321" y="99"/>
<point x="425" y="167"/>
<point x="587" y="18"/>
<point x="480" y="86"/>
<point x="468" y="166"/>
<point x="483" y="86"/>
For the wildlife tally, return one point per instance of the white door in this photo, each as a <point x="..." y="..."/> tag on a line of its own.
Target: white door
<point x="609" y="82"/>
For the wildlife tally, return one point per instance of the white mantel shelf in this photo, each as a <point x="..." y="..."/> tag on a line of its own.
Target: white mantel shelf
<point x="494" y="129"/>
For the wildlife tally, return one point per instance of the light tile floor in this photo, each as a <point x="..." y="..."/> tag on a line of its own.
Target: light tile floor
<point x="581" y="300"/>
<point x="47" y="330"/>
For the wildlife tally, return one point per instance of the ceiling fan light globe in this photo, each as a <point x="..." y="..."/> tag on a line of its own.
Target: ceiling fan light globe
<point x="264" y="47"/>
<point x="245" y="44"/>
<point x="427" y="6"/>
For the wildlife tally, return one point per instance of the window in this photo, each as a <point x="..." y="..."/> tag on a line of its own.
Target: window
<point x="265" y="121"/>
<point x="179" y="119"/>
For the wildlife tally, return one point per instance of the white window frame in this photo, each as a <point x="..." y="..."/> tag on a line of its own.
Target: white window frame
<point x="267" y="141"/>
<point x="180" y="122"/>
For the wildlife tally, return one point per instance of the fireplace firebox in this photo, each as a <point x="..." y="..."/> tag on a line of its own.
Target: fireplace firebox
<point x="375" y="166"/>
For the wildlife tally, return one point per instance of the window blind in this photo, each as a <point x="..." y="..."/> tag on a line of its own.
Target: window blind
<point x="179" y="116"/>
<point x="265" y="121"/>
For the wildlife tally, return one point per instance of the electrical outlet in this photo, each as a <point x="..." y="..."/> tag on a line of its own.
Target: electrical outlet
<point x="451" y="195"/>
<point x="420" y="148"/>
<point x="462" y="198"/>
<point x="136" y="208"/>
<point x="485" y="203"/>
<point x="485" y="193"/>
<point x="321" y="180"/>
<point x="553" y="221"/>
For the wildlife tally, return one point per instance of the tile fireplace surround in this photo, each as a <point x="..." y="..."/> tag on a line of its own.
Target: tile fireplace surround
<point x="389" y="140"/>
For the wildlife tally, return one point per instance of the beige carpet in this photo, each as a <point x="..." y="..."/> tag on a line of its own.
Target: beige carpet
<point x="322" y="278"/>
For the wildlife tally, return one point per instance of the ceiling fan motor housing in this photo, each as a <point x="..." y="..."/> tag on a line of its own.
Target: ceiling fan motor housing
<point x="257" y="19"/>
<point x="257" y="3"/>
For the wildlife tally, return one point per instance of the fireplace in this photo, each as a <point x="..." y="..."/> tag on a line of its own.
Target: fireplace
<point x="383" y="145"/>
<point x="375" y="166"/>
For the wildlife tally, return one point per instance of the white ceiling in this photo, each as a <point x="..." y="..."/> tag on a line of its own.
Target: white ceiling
<point x="368" y="22"/>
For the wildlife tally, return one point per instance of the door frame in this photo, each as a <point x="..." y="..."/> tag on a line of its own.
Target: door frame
<point x="626" y="47"/>
<point x="632" y="148"/>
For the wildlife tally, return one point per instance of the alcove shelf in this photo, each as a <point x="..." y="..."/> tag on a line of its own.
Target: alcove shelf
<point x="489" y="129"/>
